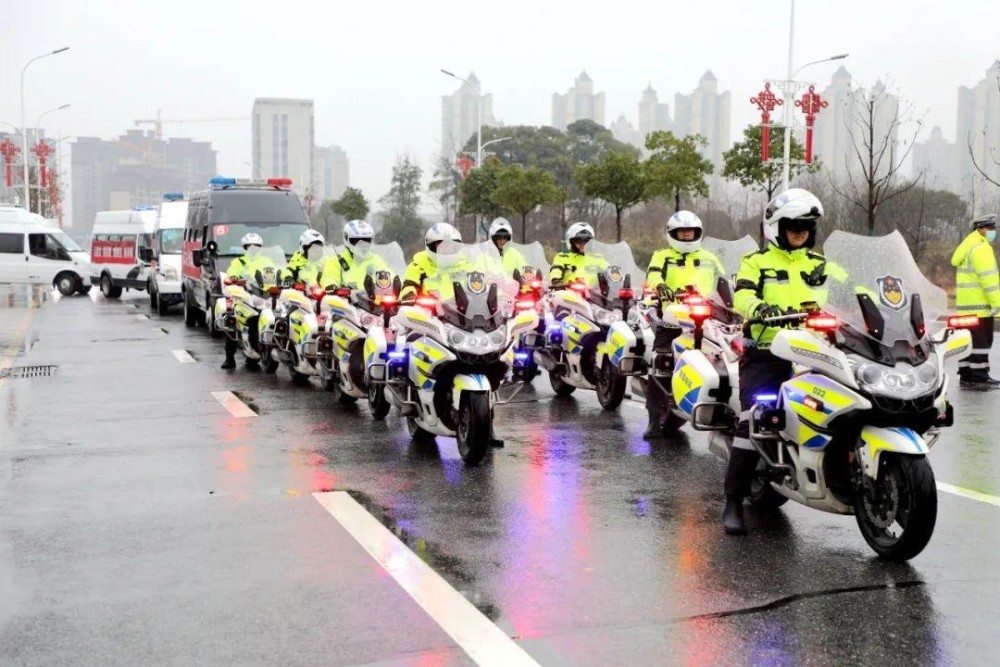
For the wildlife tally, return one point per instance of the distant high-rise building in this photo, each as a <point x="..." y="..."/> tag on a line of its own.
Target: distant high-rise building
<point x="332" y="172"/>
<point x="623" y="131"/>
<point x="936" y="159"/>
<point x="706" y="112"/>
<point x="979" y="126"/>
<point x="137" y="168"/>
<point x="579" y="103"/>
<point x="653" y="116"/>
<point x="283" y="136"/>
<point x="459" y="116"/>
<point x="841" y="128"/>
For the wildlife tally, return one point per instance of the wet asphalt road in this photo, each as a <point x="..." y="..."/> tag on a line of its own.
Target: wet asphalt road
<point x="140" y="523"/>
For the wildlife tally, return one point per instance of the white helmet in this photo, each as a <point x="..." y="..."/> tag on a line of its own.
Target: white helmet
<point x="578" y="231"/>
<point x="438" y="232"/>
<point x="251" y="239"/>
<point x="684" y="220"/>
<point x="794" y="204"/>
<point x="309" y="237"/>
<point x="358" y="236"/>
<point x="500" y="226"/>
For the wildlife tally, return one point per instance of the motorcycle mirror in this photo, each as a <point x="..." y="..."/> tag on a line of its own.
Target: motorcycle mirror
<point x="370" y="286"/>
<point x="461" y="299"/>
<point x="259" y="277"/>
<point x="397" y="285"/>
<point x="874" y="321"/>
<point x="917" y="315"/>
<point x="491" y="299"/>
<point x="725" y="291"/>
<point x="517" y="276"/>
<point x="212" y="247"/>
<point x="628" y="281"/>
<point x="602" y="281"/>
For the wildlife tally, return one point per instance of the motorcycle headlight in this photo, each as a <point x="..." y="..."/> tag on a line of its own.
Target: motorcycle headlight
<point x="607" y="317"/>
<point x="902" y="381"/>
<point x="170" y="273"/>
<point x="456" y="336"/>
<point x="497" y="338"/>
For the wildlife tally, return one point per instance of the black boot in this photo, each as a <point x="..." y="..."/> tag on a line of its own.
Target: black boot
<point x="739" y="476"/>
<point x="732" y="516"/>
<point x="655" y="409"/>
<point x="230" y="362"/>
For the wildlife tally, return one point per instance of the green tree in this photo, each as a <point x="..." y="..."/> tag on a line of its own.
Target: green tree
<point x="400" y="219"/>
<point x="676" y="167"/>
<point x="477" y="192"/>
<point x="352" y="205"/>
<point x="446" y="187"/>
<point x="520" y="190"/>
<point x="742" y="162"/>
<point x="325" y="221"/>
<point x="618" y="178"/>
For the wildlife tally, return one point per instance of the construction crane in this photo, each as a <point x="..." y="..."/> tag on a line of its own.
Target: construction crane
<point x="158" y="122"/>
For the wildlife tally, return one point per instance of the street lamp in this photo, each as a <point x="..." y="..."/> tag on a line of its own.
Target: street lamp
<point x="479" y="126"/>
<point x="789" y="87"/>
<point x="24" y="126"/>
<point x="38" y="122"/>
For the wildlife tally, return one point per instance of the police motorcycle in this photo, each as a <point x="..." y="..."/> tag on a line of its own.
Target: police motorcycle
<point x="588" y="341"/>
<point x="850" y="432"/>
<point x="348" y="315"/>
<point x="532" y="279"/>
<point x="704" y="321"/>
<point x="245" y="297"/>
<point x="446" y="369"/>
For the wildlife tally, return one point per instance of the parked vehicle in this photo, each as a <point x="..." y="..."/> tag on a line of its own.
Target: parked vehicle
<point x="164" y="254"/>
<point x="115" y="245"/>
<point x="33" y="252"/>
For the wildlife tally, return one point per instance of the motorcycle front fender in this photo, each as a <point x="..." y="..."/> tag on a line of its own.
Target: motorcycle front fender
<point x="898" y="440"/>
<point x="476" y="382"/>
<point x="619" y="341"/>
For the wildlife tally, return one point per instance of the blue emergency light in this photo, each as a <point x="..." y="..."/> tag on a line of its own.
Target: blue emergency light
<point x="221" y="181"/>
<point x="173" y="196"/>
<point x="144" y="207"/>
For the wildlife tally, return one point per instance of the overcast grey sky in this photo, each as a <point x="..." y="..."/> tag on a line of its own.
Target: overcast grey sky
<point x="373" y="66"/>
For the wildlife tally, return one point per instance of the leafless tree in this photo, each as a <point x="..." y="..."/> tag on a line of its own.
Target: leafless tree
<point x="873" y="123"/>
<point x="992" y="150"/>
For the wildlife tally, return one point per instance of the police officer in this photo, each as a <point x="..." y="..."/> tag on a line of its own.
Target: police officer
<point x="573" y="263"/>
<point x="306" y="262"/>
<point x="424" y="266"/>
<point x="780" y="277"/>
<point x="247" y="265"/>
<point x="977" y="292"/>
<point x="354" y="260"/>
<point x="501" y="234"/>
<point x="682" y="264"/>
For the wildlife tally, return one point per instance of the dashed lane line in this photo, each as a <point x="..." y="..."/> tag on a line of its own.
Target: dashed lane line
<point x="183" y="356"/>
<point x="233" y="404"/>
<point x="485" y="643"/>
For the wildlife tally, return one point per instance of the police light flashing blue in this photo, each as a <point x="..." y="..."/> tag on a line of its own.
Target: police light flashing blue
<point x="221" y="181"/>
<point x="173" y="196"/>
<point x="765" y="398"/>
<point x="398" y="355"/>
<point x="144" y="207"/>
<point x="521" y="356"/>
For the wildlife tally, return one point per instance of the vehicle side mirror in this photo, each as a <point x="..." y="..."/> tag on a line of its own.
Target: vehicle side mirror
<point x="198" y="257"/>
<point x="212" y="247"/>
<point x="725" y="291"/>
<point x="146" y="254"/>
<point x="370" y="287"/>
<point x="259" y="277"/>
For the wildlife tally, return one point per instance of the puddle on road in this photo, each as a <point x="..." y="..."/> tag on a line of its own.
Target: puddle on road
<point x="23" y="296"/>
<point x="452" y="569"/>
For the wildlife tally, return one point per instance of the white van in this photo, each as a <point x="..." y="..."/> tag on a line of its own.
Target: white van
<point x="114" y="249"/>
<point x="33" y="252"/>
<point x="164" y="256"/>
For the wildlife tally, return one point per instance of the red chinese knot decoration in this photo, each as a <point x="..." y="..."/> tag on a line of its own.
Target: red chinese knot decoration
<point x="464" y="165"/>
<point x="43" y="151"/>
<point x="9" y="149"/>
<point x="766" y="101"/>
<point x="810" y="104"/>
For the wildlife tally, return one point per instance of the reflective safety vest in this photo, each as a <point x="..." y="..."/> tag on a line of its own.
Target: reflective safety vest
<point x="343" y="270"/>
<point x="513" y="259"/>
<point x="782" y="278"/>
<point x="247" y="267"/>
<point x="568" y="267"/>
<point x="677" y="270"/>
<point x="977" y="284"/>
<point x="418" y="270"/>
<point x="301" y="269"/>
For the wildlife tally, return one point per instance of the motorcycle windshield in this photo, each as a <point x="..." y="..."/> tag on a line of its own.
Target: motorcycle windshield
<point x="615" y="261"/>
<point x="730" y="254"/>
<point x="271" y="261"/>
<point x="473" y="289"/>
<point x="531" y="264"/>
<point x="904" y="303"/>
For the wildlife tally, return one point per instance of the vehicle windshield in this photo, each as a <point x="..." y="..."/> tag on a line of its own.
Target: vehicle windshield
<point x="881" y="271"/>
<point x="474" y="289"/>
<point x="68" y="244"/>
<point x="170" y="241"/>
<point x="730" y="254"/>
<point x="229" y="236"/>
<point x="615" y="261"/>
<point x="534" y="262"/>
<point x="272" y="260"/>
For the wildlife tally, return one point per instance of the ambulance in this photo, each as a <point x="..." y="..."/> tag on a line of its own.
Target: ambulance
<point x="114" y="249"/>
<point x="34" y="252"/>
<point x="164" y="255"/>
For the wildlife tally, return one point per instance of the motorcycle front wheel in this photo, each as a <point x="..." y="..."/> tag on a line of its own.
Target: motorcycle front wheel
<point x="610" y="386"/>
<point x="267" y="361"/>
<point x="897" y="512"/>
<point x="418" y="434"/>
<point x="473" y="430"/>
<point x="377" y="402"/>
<point x="560" y="386"/>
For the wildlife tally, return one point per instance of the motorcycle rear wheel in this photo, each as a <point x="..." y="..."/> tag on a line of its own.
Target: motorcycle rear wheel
<point x="473" y="429"/>
<point x="897" y="516"/>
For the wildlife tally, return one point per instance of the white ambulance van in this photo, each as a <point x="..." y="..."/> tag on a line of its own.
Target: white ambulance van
<point x="32" y="251"/>
<point x="114" y="249"/>
<point x="164" y="256"/>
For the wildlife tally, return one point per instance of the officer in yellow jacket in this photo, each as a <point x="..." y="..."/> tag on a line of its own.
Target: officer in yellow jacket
<point x="780" y="277"/>
<point x="423" y="268"/>
<point x="307" y="261"/>
<point x="977" y="292"/>
<point x="354" y="260"/>
<point x="683" y="263"/>
<point x="501" y="234"/>
<point x="245" y="266"/>
<point x="574" y="263"/>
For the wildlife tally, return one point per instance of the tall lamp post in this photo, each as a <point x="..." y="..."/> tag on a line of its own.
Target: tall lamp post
<point x="789" y="87"/>
<point x="24" y="125"/>
<point x="479" y="126"/>
<point x="43" y="152"/>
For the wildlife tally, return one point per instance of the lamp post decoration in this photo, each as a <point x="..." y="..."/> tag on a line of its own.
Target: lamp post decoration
<point x="810" y="104"/>
<point x="42" y="150"/>
<point x="766" y="101"/>
<point x="464" y="165"/>
<point x="9" y="150"/>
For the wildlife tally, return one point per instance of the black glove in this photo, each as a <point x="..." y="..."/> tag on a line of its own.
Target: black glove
<point x="665" y="293"/>
<point x="765" y="311"/>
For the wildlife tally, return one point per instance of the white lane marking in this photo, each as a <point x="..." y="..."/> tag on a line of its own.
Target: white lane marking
<point x="485" y="643"/>
<point x="234" y="405"/>
<point x="969" y="493"/>
<point x="142" y="318"/>
<point x="183" y="356"/>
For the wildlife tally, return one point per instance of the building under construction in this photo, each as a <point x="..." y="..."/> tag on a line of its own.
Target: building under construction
<point x="135" y="169"/>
